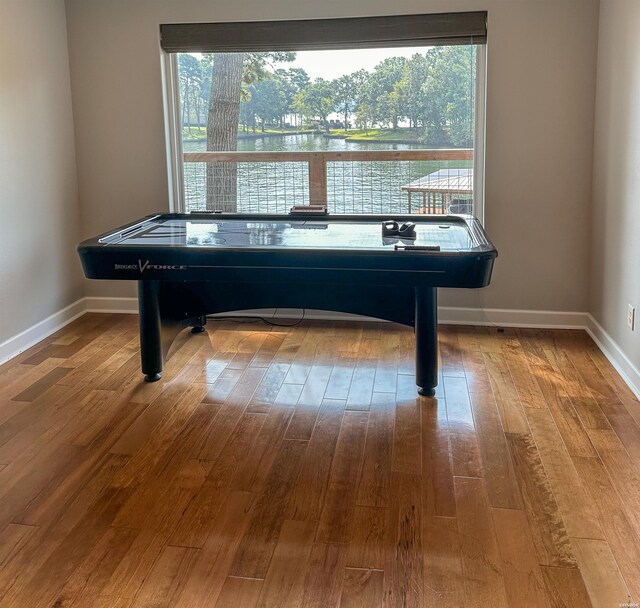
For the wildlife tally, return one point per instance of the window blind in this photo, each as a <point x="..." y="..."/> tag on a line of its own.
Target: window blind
<point x="318" y="34"/>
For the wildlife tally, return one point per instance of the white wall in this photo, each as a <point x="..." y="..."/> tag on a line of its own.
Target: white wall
<point x="615" y="239"/>
<point x="39" y="217"/>
<point x="541" y="80"/>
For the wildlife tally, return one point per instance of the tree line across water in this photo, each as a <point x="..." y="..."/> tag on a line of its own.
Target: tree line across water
<point x="430" y="95"/>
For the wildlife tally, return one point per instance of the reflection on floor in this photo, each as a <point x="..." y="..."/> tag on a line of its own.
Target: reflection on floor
<point x="298" y="467"/>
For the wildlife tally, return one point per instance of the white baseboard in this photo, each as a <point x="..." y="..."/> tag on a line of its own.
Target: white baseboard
<point x="623" y="365"/>
<point x="446" y="315"/>
<point x="130" y="306"/>
<point x="112" y="305"/>
<point x="500" y="317"/>
<point x="29" y="337"/>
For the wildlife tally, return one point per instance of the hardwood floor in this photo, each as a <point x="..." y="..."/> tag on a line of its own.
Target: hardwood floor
<point x="298" y="467"/>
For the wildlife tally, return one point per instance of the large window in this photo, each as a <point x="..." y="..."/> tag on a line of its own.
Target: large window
<point x="372" y="115"/>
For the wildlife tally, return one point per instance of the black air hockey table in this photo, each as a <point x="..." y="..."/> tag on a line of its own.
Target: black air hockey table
<point x="191" y="265"/>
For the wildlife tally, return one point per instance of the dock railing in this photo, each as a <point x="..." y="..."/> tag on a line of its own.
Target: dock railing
<point x="320" y="177"/>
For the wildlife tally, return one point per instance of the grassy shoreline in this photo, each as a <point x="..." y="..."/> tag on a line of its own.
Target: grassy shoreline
<point x="403" y="135"/>
<point x="391" y="136"/>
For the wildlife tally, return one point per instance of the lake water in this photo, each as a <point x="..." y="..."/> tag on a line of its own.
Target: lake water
<point x="352" y="187"/>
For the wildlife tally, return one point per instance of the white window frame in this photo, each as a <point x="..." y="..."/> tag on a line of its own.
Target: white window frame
<point x="173" y="132"/>
<point x="480" y="131"/>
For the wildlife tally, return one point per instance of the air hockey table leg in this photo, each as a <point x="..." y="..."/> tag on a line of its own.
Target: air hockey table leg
<point x="150" y="330"/>
<point x="426" y="330"/>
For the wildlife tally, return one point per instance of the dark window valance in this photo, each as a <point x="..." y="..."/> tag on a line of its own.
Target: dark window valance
<point x="316" y="34"/>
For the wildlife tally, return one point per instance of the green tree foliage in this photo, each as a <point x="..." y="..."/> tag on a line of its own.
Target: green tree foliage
<point x="382" y="93"/>
<point x="461" y="70"/>
<point x="346" y="93"/>
<point x="315" y="100"/>
<point x="449" y="96"/>
<point x="431" y="92"/>
<point x="268" y="101"/>
<point x="191" y="81"/>
<point x="293" y="80"/>
<point x="409" y="89"/>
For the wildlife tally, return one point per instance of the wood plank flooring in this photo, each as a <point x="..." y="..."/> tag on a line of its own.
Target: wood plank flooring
<point x="286" y="467"/>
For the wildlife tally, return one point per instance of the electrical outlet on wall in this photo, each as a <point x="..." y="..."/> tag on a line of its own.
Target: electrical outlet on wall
<point x="631" y="317"/>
